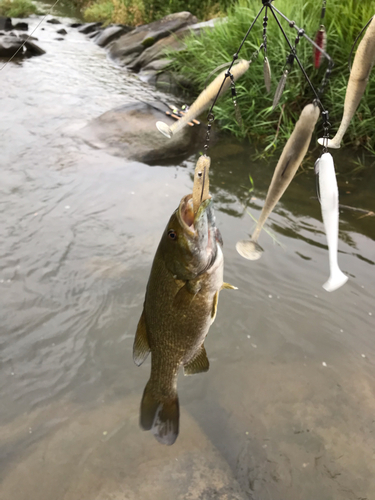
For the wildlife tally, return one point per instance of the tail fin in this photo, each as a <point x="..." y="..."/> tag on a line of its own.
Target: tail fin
<point x="336" y="280"/>
<point x="162" y="418"/>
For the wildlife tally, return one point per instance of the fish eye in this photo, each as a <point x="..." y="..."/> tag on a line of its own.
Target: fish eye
<point x="172" y="234"/>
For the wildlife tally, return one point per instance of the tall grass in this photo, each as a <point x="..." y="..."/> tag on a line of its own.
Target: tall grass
<point x="343" y="22"/>
<point x="17" y="8"/>
<point x="135" y="12"/>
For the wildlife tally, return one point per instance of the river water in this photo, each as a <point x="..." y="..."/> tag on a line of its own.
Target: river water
<point x="287" y="410"/>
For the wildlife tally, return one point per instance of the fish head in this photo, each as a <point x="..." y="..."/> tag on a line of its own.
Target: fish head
<point x="189" y="242"/>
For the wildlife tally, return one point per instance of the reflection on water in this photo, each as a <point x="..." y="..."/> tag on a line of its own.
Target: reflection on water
<point x="286" y="410"/>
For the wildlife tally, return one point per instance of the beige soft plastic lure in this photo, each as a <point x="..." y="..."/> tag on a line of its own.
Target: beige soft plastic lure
<point x="290" y="159"/>
<point x="267" y="74"/>
<point x="363" y="62"/>
<point x="201" y="186"/>
<point x="205" y="99"/>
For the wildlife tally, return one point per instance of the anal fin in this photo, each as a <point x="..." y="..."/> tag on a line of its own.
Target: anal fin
<point x="141" y="347"/>
<point x="198" y="364"/>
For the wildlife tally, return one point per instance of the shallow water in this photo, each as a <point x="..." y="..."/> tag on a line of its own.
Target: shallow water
<point x="287" y="408"/>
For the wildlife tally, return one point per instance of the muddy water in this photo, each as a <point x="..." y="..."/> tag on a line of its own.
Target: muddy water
<point x="287" y="408"/>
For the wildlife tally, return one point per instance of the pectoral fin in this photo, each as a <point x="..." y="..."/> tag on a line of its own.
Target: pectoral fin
<point x="228" y="286"/>
<point x="199" y="363"/>
<point x="141" y="347"/>
<point x="185" y="295"/>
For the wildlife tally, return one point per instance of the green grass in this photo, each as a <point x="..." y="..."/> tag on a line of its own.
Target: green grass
<point x="343" y="22"/>
<point x="136" y="12"/>
<point x="17" y="8"/>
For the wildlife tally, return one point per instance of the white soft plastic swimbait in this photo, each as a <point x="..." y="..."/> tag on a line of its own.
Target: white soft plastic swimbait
<point x="329" y="200"/>
<point x="363" y="62"/>
<point x="205" y="99"/>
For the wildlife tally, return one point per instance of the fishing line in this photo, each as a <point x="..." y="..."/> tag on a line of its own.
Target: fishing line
<point x="31" y="34"/>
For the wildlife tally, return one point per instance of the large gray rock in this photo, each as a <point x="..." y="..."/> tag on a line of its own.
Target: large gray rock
<point x="172" y="42"/>
<point x="147" y="35"/>
<point x="130" y="131"/>
<point x="66" y="453"/>
<point x="111" y="33"/>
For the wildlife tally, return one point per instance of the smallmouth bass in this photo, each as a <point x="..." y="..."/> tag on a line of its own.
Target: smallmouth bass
<point x="180" y="306"/>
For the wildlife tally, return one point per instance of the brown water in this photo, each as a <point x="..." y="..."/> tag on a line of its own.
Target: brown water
<point x="287" y="410"/>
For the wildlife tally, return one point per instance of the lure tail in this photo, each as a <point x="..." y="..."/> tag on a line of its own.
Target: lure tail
<point x="162" y="418"/>
<point x="249" y="249"/>
<point x="336" y="279"/>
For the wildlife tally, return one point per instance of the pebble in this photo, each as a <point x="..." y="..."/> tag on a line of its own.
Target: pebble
<point x="105" y="433"/>
<point x="254" y="345"/>
<point x="270" y="296"/>
<point x="370" y="314"/>
<point x="67" y="207"/>
<point x="324" y="363"/>
<point x="363" y="355"/>
<point x="341" y="330"/>
<point x="249" y="336"/>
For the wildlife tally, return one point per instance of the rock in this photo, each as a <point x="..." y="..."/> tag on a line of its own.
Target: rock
<point x="53" y="21"/>
<point x="25" y="36"/>
<point x="95" y="33"/>
<point x="158" y="65"/>
<point x="147" y="35"/>
<point x="59" y="38"/>
<point x="89" y="28"/>
<point x="75" y="25"/>
<point x="100" y="453"/>
<point x="9" y="45"/>
<point x="111" y="33"/>
<point x="62" y="32"/>
<point x="130" y="131"/>
<point x="32" y="49"/>
<point x="21" y="26"/>
<point x="174" y="42"/>
<point x="6" y="23"/>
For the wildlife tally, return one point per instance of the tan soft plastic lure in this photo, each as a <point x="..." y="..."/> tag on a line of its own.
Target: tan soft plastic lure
<point x="363" y="62"/>
<point x="201" y="186"/>
<point x="267" y="74"/>
<point x="205" y="99"/>
<point x="293" y="153"/>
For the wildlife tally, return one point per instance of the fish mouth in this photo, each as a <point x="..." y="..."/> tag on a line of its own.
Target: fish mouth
<point x="200" y="229"/>
<point x="188" y="219"/>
